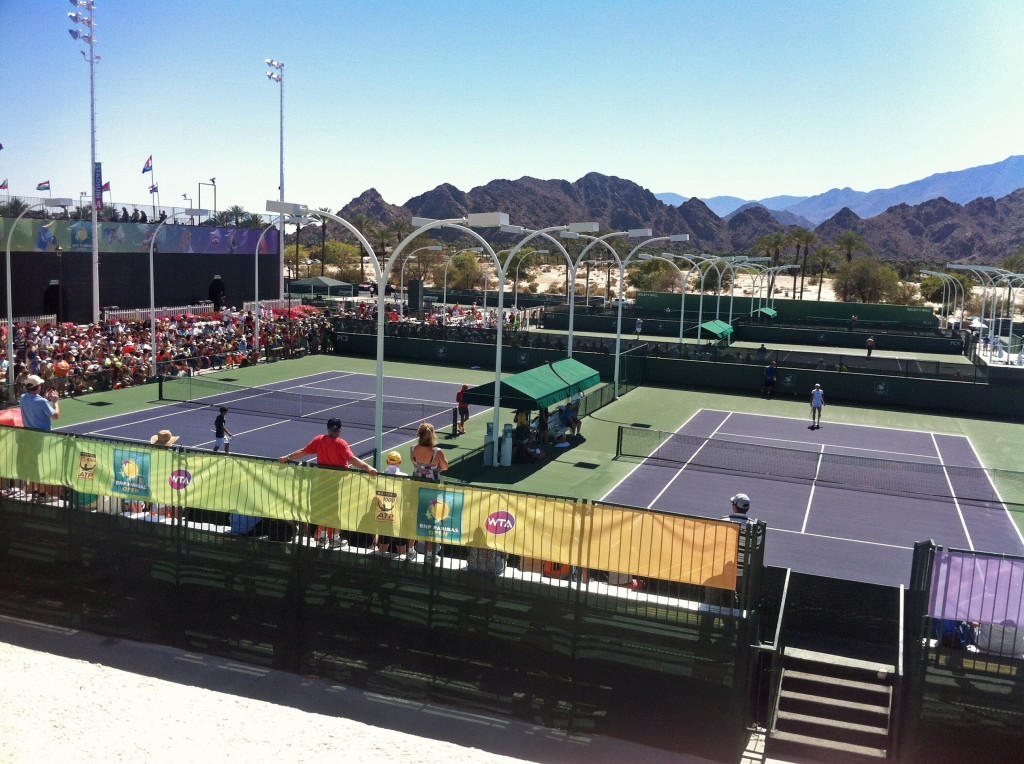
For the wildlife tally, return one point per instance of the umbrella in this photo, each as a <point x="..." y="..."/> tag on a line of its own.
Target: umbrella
<point x="11" y="417"/>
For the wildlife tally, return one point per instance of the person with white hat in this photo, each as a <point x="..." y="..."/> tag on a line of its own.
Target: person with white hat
<point x="727" y="597"/>
<point x="740" y="507"/>
<point x="38" y="412"/>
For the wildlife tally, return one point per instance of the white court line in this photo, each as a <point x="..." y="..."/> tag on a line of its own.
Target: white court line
<point x="952" y="492"/>
<point x="995" y="490"/>
<point x="810" y="496"/>
<point x="773" y="441"/>
<point x="692" y="457"/>
<point x="641" y="464"/>
<point x="843" y="424"/>
<point x="841" y="538"/>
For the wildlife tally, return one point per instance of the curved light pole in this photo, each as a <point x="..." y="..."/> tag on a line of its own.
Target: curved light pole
<point x="522" y="259"/>
<point x="622" y="263"/>
<point x="58" y="202"/>
<point x="685" y="279"/>
<point x="949" y="291"/>
<point x="751" y="263"/>
<point x="710" y="261"/>
<point x="256" y="270"/>
<point x="988" y="276"/>
<point x="448" y="261"/>
<point x="382" y="272"/>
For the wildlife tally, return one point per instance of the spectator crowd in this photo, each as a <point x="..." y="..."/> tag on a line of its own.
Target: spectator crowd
<point x="74" y="359"/>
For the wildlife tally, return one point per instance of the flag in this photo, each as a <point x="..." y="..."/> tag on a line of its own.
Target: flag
<point x="149" y="164"/>
<point x="44" y="186"/>
<point x="1" y="147"/>
<point x="153" y="189"/>
<point x="105" y="186"/>
<point x="3" y="186"/>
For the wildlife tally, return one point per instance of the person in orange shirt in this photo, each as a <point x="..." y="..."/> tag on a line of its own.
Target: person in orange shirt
<point x="62" y="370"/>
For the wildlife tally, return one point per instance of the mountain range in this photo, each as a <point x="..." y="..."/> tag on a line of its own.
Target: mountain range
<point x="960" y="186"/>
<point x="984" y="229"/>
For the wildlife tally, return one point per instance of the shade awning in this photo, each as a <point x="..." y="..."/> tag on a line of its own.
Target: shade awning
<point x="770" y="312"/>
<point x="321" y="285"/>
<point x="718" y="328"/>
<point x="537" y="388"/>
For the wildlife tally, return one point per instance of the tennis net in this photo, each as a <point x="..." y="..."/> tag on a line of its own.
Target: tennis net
<point x="973" y="485"/>
<point x="398" y="415"/>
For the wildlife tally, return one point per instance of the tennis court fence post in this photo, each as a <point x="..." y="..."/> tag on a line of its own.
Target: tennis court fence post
<point x="455" y="421"/>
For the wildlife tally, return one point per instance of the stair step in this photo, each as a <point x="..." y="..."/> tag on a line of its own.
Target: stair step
<point x="830" y="659"/>
<point x="829" y="751"/>
<point x="834" y="708"/>
<point x="838" y="688"/>
<point x="840" y="727"/>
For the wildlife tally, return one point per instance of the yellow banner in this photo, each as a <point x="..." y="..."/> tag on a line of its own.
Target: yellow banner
<point x="600" y="537"/>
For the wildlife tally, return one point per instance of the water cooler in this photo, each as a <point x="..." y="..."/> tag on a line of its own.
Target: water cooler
<point x="506" y="446"/>
<point x="489" y="445"/>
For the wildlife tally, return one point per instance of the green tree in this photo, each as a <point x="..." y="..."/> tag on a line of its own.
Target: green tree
<point x="866" y="279"/>
<point x="772" y="244"/>
<point x="1015" y="262"/>
<point x="235" y="215"/>
<point x="825" y="258"/>
<point x="13" y="207"/>
<point x="849" y="242"/>
<point x="362" y="224"/>
<point x="931" y="287"/>
<point x="801" y="237"/>
<point x="464" y="272"/>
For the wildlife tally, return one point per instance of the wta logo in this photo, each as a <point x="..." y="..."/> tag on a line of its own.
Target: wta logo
<point x="179" y="480"/>
<point x="501" y="522"/>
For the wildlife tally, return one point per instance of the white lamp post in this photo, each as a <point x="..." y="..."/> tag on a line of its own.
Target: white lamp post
<point x="279" y="79"/>
<point x="256" y="271"/>
<point x="58" y="202"/>
<point x="94" y="172"/>
<point x="666" y="258"/>
<point x="213" y="182"/>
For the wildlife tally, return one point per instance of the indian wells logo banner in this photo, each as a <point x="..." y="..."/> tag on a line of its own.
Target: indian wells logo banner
<point x="439" y="515"/>
<point x="131" y="472"/>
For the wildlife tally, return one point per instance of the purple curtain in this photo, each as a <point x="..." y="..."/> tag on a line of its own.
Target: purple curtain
<point x="974" y="587"/>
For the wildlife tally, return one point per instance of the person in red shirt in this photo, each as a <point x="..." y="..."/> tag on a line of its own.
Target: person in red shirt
<point x="331" y="451"/>
<point x="463" y="409"/>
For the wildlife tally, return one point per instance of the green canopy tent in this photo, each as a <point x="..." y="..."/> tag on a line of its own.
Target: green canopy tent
<point x="768" y="312"/>
<point x="537" y="388"/>
<point x="717" y="329"/>
<point x="321" y="285"/>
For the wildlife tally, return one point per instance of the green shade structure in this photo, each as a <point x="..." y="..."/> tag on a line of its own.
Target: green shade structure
<point x="538" y="388"/>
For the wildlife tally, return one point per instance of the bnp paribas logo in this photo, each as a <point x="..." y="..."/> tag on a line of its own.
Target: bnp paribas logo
<point x="439" y="514"/>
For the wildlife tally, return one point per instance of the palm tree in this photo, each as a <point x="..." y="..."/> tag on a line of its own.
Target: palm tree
<point x="772" y="245"/>
<point x="400" y="229"/>
<point x="362" y="224"/>
<point x="237" y="214"/>
<point x="850" y="242"/>
<point x="13" y="207"/>
<point x="801" y="237"/>
<point x="825" y="257"/>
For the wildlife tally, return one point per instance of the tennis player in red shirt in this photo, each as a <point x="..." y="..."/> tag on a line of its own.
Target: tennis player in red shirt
<point x="332" y="451"/>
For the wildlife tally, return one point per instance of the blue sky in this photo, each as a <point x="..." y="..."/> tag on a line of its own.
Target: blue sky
<point x="751" y="99"/>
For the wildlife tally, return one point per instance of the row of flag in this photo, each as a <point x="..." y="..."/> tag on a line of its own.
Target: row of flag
<point x="45" y="185"/>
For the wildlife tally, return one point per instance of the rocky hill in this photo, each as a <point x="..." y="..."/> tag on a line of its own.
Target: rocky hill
<point x="985" y="230"/>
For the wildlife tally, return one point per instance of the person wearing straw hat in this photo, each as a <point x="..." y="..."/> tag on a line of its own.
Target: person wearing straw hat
<point x="163" y="438"/>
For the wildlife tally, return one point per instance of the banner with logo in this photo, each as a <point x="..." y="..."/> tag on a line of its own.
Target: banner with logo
<point x="35" y="235"/>
<point x="602" y="537"/>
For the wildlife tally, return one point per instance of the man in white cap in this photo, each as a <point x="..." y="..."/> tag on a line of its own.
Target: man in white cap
<point x="740" y="507"/>
<point x="38" y="412"/>
<point x="727" y="597"/>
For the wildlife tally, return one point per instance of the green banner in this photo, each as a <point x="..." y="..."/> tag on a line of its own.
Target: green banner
<point x="546" y="528"/>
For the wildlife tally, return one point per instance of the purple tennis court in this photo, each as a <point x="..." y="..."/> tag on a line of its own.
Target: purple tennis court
<point x="844" y="501"/>
<point x="274" y="419"/>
